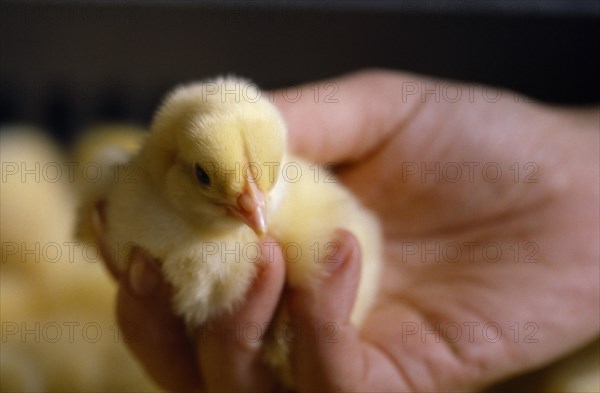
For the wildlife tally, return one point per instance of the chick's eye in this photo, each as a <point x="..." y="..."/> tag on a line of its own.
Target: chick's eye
<point x="202" y="176"/>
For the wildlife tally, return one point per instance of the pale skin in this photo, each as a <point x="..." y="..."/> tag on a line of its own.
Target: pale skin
<point x="487" y="274"/>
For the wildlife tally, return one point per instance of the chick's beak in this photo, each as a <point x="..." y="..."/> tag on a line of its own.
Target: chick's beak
<point x="251" y="207"/>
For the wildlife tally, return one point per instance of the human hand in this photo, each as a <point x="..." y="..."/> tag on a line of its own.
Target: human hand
<point x="490" y="212"/>
<point x="217" y="351"/>
<point x="377" y="133"/>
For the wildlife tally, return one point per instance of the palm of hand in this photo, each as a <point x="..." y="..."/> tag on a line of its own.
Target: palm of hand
<point x="475" y="284"/>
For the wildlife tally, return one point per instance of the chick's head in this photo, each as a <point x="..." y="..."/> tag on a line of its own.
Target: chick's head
<point x="216" y="157"/>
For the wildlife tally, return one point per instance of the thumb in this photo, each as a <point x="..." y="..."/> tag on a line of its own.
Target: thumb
<point x="343" y="119"/>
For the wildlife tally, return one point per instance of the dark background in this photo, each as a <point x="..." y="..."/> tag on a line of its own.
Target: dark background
<point x="65" y="65"/>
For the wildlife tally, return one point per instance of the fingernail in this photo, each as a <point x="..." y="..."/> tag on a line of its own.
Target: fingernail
<point x="342" y="251"/>
<point x="143" y="276"/>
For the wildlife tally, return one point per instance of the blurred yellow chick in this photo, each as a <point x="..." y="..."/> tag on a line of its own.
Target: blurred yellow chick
<point x="212" y="177"/>
<point x="95" y="166"/>
<point x="56" y="299"/>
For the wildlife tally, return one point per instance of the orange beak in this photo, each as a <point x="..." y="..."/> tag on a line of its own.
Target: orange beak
<point x="251" y="207"/>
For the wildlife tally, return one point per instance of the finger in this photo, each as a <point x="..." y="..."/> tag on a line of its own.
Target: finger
<point x="98" y="227"/>
<point x="326" y="352"/>
<point x="230" y="347"/>
<point x="156" y="337"/>
<point x="343" y="119"/>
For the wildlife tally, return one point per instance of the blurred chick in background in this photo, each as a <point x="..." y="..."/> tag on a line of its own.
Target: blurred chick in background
<point x="98" y="153"/>
<point x="214" y="172"/>
<point x="58" y="327"/>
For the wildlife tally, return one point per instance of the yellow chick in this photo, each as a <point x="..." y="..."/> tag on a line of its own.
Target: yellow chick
<point x="214" y="176"/>
<point x="95" y="166"/>
<point x="56" y="299"/>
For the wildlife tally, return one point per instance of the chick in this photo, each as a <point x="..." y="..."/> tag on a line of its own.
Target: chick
<point x="97" y="155"/>
<point x="214" y="177"/>
<point x="51" y="287"/>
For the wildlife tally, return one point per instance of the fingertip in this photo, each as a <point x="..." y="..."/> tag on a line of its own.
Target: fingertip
<point x="347" y="251"/>
<point x="335" y="294"/>
<point x="320" y="314"/>
<point x="262" y="296"/>
<point x="266" y="288"/>
<point x="270" y="274"/>
<point x="143" y="296"/>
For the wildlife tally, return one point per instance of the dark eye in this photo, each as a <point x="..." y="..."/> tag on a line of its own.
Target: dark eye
<point x="202" y="176"/>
